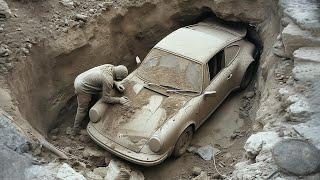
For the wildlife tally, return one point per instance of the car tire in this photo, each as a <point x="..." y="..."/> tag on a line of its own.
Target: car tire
<point x="183" y="142"/>
<point x="248" y="76"/>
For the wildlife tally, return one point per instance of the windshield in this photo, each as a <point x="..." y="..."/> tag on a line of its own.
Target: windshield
<point x="169" y="70"/>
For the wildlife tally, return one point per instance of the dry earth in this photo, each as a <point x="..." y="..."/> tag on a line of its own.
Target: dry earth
<point x="45" y="44"/>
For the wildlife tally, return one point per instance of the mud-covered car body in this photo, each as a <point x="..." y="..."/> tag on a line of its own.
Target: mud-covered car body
<point x="182" y="80"/>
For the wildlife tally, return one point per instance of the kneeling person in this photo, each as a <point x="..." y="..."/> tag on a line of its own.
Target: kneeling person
<point x="93" y="81"/>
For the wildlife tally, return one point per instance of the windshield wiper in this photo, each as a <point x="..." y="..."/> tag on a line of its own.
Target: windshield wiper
<point x="180" y="91"/>
<point x="164" y="86"/>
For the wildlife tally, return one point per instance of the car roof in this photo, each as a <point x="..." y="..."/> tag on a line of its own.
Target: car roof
<point x="201" y="41"/>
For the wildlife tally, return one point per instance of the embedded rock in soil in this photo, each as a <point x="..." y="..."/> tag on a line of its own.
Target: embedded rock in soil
<point x="53" y="171"/>
<point x="118" y="170"/>
<point x="293" y="38"/>
<point x="5" y="11"/>
<point x="261" y="141"/>
<point x="196" y="170"/>
<point x="304" y="13"/>
<point x="101" y="171"/>
<point x="306" y="64"/>
<point x="297" y="157"/>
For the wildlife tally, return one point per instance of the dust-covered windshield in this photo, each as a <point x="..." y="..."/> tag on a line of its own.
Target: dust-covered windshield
<point x="166" y="69"/>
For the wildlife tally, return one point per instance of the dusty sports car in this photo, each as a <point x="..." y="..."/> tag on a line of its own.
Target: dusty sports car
<point x="179" y="84"/>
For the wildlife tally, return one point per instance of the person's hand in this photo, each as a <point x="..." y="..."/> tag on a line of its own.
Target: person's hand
<point x="119" y="87"/>
<point x="124" y="100"/>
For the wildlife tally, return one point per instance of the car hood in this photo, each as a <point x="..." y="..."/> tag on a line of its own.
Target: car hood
<point x="132" y="126"/>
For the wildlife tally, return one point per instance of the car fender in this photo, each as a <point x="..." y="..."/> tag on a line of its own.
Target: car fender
<point x="172" y="129"/>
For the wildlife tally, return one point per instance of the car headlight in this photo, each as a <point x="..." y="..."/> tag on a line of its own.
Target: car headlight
<point x="155" y="144"/>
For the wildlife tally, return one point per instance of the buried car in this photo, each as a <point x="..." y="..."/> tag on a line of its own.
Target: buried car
<point x="179" y="84"/>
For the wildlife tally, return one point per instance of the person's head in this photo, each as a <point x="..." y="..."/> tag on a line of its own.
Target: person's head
<point x="120" y="72"/>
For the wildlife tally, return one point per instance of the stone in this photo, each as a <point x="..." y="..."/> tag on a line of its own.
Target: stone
<point x="93" y="152"/>
<point x="299" y="111"/>
<point x="205" y="152"/>
<point x="84" y="138"/>
<point x="66" y="172"/>
<point x="101" y="171"/>
<point x="196" y="171"/>
<point x="310" y="130"/>
<point x="293" y="38"/>
<point x="69" y="131"/>
<point x="203" y="176"/>
<point x="304" y="13"/>
<point x="67" y="3"/>
<point x="249" y="94"/>
<point x="4" y="51"/>
<point x="81" y="17"/>
<point x="92" y="176"/>
<point x="297" y="157"/>
<point x="306" y="64"/>
<point x="68" y="149"/>
<point x="118" y="170"/>
<point x="5" y="11"/>
<point x="260" y="141"/>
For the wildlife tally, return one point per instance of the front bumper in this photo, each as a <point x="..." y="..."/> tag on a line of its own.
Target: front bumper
<point x="113" y="147"/>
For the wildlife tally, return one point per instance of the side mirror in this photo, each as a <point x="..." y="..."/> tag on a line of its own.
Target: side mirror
<point x="210" y="93"/>
<point x="138" y="61"/>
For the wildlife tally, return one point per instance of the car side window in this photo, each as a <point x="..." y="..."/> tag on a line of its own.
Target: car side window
<point x="216" y="64"/>
<point x="230" y="53"/>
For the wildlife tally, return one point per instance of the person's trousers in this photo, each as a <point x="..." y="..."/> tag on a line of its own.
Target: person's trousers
<point x="83" y="100"/>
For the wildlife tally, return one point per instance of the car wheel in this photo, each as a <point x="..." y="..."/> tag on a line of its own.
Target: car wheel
<point x="248" y="76"/>
<point x="183" y="142"/>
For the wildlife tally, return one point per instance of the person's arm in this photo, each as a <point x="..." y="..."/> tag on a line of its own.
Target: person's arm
<point x="119" y="86"/>
<point x="106" y="92"/>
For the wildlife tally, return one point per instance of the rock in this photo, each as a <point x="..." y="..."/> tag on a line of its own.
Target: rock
<point x="260" y="141"/>
<point x="66" y="172"/>
<point x="92" y="176"/>
<point x="293" y="38"/>
<point x="203" y="176"/>
<point x="304" y="13"/>
<point x="1" y="29"/>
<point x="306" y="64"/>
<point x="299" y="111"/>
<point x="67" y="3"/>
<point x="81" y="17"/>
<point x="68" y="149"/>
<point x="4" y="51"/>
<point x="25" y="51"/>
<point x="196" y="171"/>
<point x="101" y="171"/>
<point x="249" y="94"/>
<point x="69" y="131"/>
<point x="297" y="157"/>
<point x="310" y="130"/>
<point x="5" y="11"/>
<point x="205" y="152"/>
<point x="84" y="138"/>
<point x="118" y="170"/>
<point x="53" y="171"/>
<point x="93" y="152"/>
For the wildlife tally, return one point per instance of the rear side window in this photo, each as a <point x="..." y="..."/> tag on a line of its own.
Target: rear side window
<point x="230" y="53"/>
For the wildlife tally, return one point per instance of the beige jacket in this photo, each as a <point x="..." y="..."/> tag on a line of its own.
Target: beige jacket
<point x="96" y="80"/>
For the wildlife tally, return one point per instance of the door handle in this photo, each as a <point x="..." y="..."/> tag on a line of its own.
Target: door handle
<point x="229" y="77"/>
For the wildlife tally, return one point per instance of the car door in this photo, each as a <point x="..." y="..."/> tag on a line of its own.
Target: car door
<point x="231" y="53"/>
<point x="218" y="84"/>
